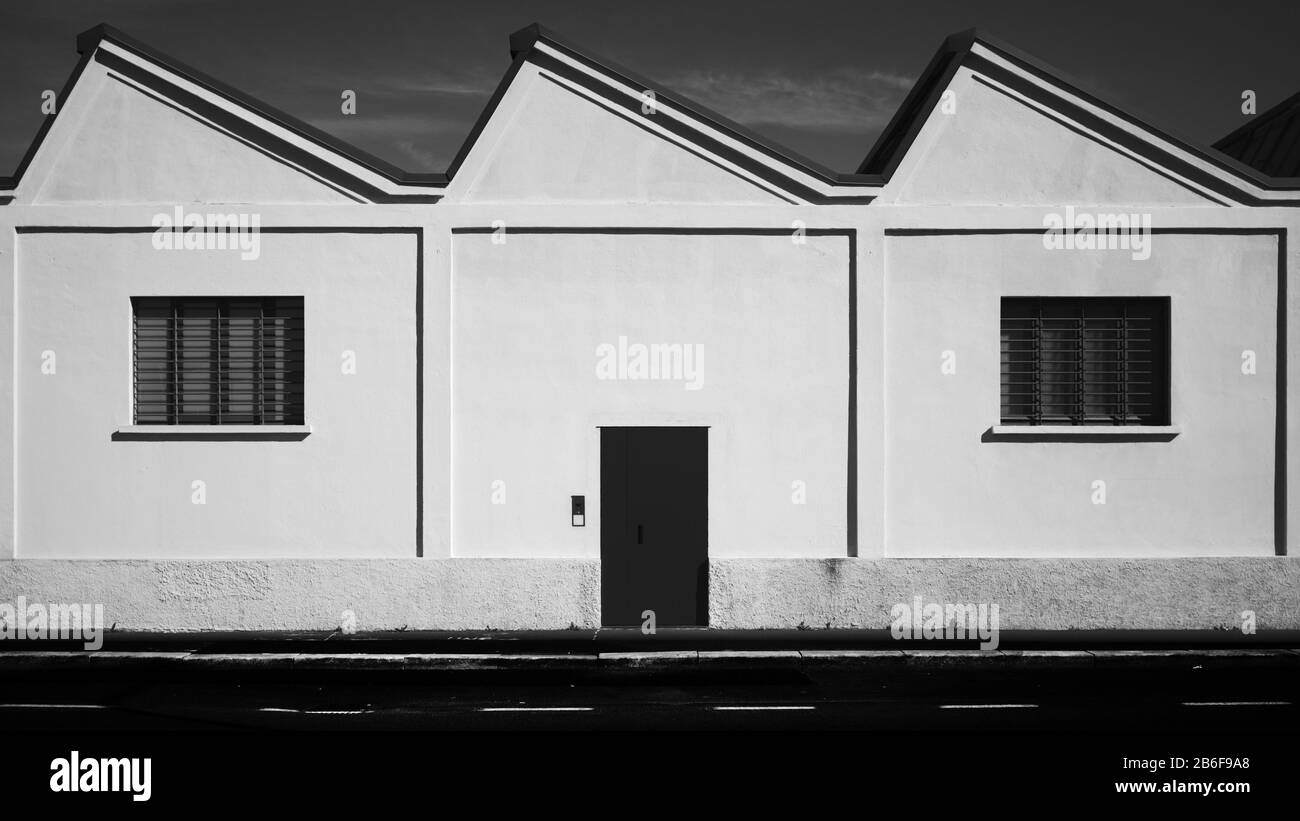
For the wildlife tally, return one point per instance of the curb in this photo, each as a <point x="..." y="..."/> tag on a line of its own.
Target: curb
<point x="65" y="660"/>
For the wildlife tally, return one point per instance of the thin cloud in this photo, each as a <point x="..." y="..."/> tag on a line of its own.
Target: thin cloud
<point x="469" y="83"/>
<point x="421" y="136"/>
<point x="843" y="99"/>
<point x="472" y="84"/>
<point x="421" y="155"/>
<point x="413" y="142"/>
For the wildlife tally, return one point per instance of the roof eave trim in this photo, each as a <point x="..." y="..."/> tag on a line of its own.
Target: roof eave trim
<point x="1060" y="83"/>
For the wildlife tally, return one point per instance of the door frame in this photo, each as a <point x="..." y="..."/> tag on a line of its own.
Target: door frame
<point x="597" y="504"/>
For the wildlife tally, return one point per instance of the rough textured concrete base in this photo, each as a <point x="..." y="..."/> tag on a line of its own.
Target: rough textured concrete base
<point x="291" y="594"/>
<point x="1031" y="594"/>
<point x="525" y="594"/>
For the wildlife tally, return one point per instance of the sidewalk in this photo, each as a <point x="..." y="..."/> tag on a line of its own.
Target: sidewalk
<point x="611" y="649"/>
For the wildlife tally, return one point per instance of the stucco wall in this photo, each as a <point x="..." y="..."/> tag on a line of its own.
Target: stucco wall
<point x="1057" y="594"/>
<point x="347" y="489"/>
<point x="474" y="594"/>
<point x="770" y="317"/>
<point x="383" y="594"/>
<point x="1208" y="491"/>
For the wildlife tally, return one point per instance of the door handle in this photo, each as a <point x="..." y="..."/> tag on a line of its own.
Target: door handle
<point x="639" y="534"/>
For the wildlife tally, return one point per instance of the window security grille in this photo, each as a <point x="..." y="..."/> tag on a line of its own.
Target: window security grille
<point x="218" y="361"/>
<point x="1085" y="361"/>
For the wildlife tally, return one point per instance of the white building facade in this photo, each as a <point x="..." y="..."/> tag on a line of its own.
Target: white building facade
<point x="781" y="395"/>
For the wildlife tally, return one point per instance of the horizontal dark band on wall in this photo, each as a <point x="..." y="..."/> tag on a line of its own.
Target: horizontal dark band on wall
<point x="286" y="229"/>
<point x="940" y="232"/>
<point x="633" y="230"/>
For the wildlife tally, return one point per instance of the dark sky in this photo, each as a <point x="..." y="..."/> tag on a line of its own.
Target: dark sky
<point x="821" y="77"/>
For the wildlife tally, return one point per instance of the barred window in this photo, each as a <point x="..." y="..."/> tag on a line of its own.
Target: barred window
<point x="1085" y="361"/>
<point x="218" y="361"/>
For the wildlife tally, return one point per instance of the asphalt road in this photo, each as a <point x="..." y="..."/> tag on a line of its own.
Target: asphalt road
<point x="1177" y="696"/>
<point x="303" y="731"/>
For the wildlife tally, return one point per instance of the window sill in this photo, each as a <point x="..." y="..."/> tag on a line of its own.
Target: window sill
<point x="1071" y="433"/>
<point x="212" y="433"/>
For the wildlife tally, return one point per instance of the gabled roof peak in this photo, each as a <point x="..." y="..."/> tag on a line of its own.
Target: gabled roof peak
<point x="706" y="131"/>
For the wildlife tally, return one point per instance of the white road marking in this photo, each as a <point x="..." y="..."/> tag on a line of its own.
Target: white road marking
<point x="336" y="712"/>
<point x="312" y="712"/>
<point x="535" y="709"/>
<point x="985" y="706"/>
<point x="54" y="707"/>
<point x="771" y="707"/>
<point x="1235" y="703"/>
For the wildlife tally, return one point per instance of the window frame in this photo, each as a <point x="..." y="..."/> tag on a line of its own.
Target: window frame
<point x="1079" y="417"/>
<point x="286" y="411"/>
